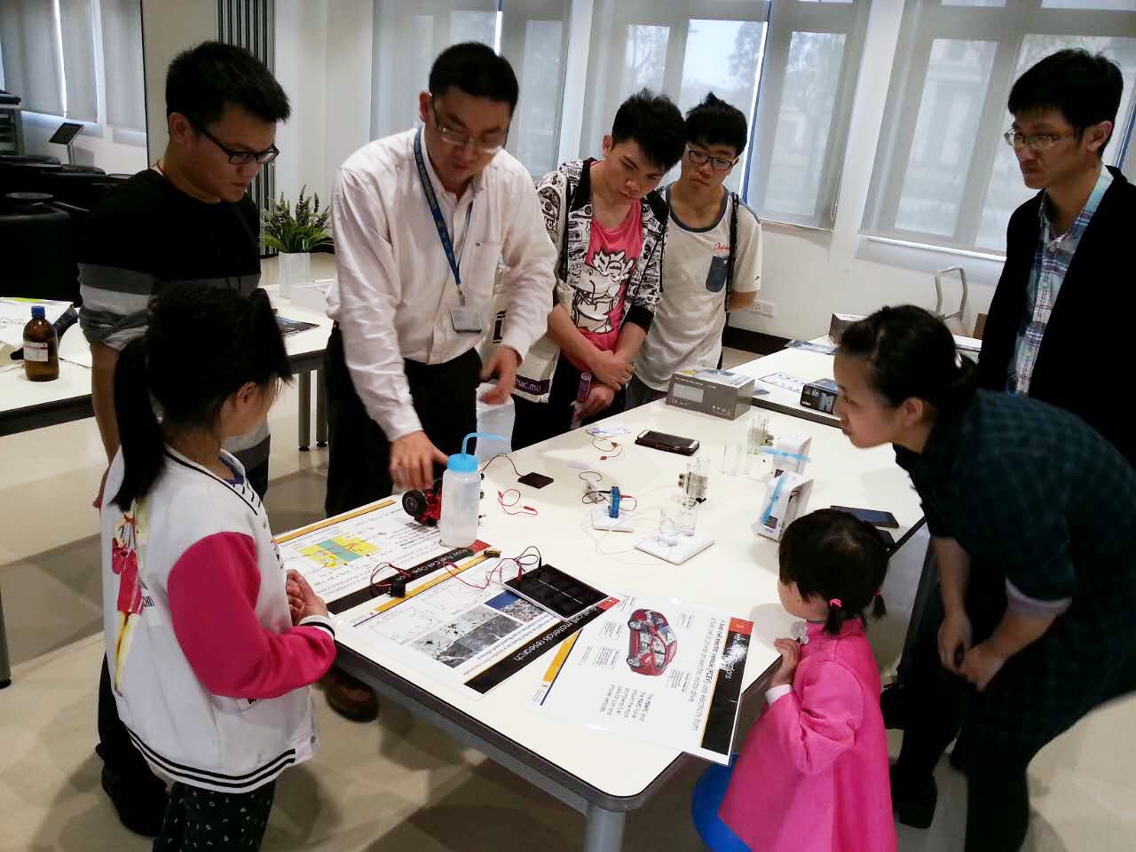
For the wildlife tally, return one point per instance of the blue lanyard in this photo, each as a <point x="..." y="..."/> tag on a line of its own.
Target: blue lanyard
<point x="436" y="212"/>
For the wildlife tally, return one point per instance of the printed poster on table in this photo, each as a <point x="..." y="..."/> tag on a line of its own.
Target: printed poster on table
<point x="653" y="669"/>
<point x="456" y="623"/>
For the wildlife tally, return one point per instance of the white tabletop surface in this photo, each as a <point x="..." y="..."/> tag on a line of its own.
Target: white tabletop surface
<point x="802" y="364"/>
<point x="738" y="574"/>
<point x="74" y="382"/>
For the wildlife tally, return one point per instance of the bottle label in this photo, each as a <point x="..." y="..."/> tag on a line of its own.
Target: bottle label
<point x="36" y="352"/>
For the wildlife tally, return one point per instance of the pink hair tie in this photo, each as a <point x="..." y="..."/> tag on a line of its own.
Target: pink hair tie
<point x="878" y="594"/>
<point x="836" y="603"/>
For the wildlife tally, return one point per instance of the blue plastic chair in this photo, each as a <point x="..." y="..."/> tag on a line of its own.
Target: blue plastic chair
<point x="704" y="804"/>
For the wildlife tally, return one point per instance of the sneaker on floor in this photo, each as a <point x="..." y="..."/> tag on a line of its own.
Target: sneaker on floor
<point x="350" y="697"/>
<point x="141" y="813"/>
<point x="894" y="701"/>
<point x="913" y="799"/>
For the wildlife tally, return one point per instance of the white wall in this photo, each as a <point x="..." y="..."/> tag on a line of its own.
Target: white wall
<point x="812" y="274"/>
<point x="113" y="151"/>
<point x="168" y="28"/>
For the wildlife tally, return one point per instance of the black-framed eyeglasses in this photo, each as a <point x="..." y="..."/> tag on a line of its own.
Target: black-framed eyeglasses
<point x="460" y="140"/>
<point x="1036" y="142"/>
<point x="242" y="158"/>
<point x="700" y="158"/>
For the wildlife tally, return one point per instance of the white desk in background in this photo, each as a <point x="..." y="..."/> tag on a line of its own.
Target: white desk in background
<point x="801" y="364"/>
<point x="599" y="774"/>
<point x="28" y="405"/>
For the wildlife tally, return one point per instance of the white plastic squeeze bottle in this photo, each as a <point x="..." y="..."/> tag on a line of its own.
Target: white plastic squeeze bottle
<point x="461" y="496"/>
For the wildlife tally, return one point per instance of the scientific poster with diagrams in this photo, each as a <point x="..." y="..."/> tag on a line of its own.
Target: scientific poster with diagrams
<point x="463" y="628"/>
<point x="338" y="558"/>
<point x="654" y="669"/>
<point x="456" y="622"/>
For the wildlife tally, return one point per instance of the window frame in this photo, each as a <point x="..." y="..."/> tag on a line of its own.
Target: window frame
<point x="924" y="22"/>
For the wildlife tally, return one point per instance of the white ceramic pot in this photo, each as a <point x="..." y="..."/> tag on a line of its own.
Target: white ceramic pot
<point x="295" y="268"/>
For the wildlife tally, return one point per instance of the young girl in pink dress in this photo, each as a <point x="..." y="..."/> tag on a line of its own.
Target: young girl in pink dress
<point x="813" y="773"/>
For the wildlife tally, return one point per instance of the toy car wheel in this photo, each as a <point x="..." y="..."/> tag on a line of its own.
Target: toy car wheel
<point x="634" y="662"/>
<point x="414" y="503"/>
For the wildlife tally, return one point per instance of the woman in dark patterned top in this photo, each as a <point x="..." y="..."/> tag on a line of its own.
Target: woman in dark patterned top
<point x="1033" y="522"/>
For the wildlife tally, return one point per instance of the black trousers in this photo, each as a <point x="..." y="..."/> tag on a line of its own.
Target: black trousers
<point x="115" y="748"/>
<point x="358" y="471"/>
<point x="203" y="819"/>
<point x="539" y="421"/>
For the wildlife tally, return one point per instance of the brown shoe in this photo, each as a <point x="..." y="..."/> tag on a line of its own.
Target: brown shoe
<point x="350" y="697"/>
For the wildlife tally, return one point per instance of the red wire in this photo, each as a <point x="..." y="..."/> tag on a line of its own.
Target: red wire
<point x="505" y="507"/>
<point x="615" y="452"/>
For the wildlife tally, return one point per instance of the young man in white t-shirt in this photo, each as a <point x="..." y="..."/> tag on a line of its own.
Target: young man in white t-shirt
<point x="712" y="260"/>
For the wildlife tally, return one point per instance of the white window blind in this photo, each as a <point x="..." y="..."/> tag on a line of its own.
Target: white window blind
<point x="943" y="175"/>
<point x="534" y="38"/>
<point x="122" y="64"/>
<point x="409" y="35"/>
<point x="804" y="105"/>
<point x="681" y="48"/>
<point x="33" y="64"/>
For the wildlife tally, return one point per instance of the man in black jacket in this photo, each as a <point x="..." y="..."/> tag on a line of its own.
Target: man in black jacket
<point x="1055" y="331"/>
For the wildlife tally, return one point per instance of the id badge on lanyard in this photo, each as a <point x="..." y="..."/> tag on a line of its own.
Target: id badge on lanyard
<point x="464" y="319"/>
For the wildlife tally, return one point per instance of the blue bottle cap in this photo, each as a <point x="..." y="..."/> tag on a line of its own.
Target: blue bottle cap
<point x="38" y="312"/>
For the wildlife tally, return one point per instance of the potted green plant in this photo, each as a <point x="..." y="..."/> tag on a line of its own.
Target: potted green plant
<point x="294" y="235"/>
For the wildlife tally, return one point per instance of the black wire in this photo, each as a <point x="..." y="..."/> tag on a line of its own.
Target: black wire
<point x="505" y="456"/>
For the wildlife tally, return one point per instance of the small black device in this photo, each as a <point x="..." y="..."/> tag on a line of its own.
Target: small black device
<point x="556" y="592"/>
<point x="535" y="480"/>
<point x="396" y="588"/>
<point x="875" y="517"/>
<point x="820" y="395"/>
<point x="667" y="443"/>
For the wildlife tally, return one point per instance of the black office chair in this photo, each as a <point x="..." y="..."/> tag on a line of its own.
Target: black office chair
<point x="40" y="263"/>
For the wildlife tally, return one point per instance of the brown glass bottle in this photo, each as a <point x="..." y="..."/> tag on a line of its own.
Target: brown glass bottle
<point x="41" y="348"/>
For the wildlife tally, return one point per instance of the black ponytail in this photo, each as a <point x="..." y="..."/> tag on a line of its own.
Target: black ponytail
<point x="140" y="434"/>
<point x="839" y="558"/>
<point x="911" y="354"/>
<point x="202" y="344"/>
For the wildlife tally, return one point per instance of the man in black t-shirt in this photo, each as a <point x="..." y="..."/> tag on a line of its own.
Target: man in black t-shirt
<point x="186" y="219"/>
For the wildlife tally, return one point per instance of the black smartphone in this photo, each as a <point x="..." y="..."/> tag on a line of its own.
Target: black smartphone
<point x="536" y="480"/>
<point x="555" y="592"/>
<point x="667" y="443"/>
<point x="875" y="517"/>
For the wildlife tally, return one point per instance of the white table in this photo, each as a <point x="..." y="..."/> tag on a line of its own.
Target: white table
<point x="602" y="775"/>
<point x="28" y="405"/>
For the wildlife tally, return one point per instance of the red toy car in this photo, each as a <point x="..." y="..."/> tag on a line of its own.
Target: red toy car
<point x="653" y="642"/>
<point x="424" y="506"/>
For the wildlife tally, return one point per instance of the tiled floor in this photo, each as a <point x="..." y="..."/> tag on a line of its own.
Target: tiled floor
<point x="398" y="785"/>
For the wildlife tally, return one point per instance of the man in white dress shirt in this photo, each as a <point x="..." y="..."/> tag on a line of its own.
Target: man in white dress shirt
<point x="421" y="220"/>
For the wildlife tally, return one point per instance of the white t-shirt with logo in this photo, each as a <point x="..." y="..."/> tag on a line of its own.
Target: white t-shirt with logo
<point x="687" y="329"/>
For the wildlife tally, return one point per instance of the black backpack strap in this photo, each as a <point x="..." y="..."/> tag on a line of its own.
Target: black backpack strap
<point x="732" y="258"/>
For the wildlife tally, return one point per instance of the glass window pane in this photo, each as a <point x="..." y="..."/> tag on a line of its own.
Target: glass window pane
<point x="537" y="112"/>
<point x="1006" y="192"/>
<point x="812" y="76"/>
<point x="950" y="109"/>
<point x="644" y="59"/>
<point x="1110" y="5"/>
<point x="473" y="26"/>
<point x="731" y="76"/>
